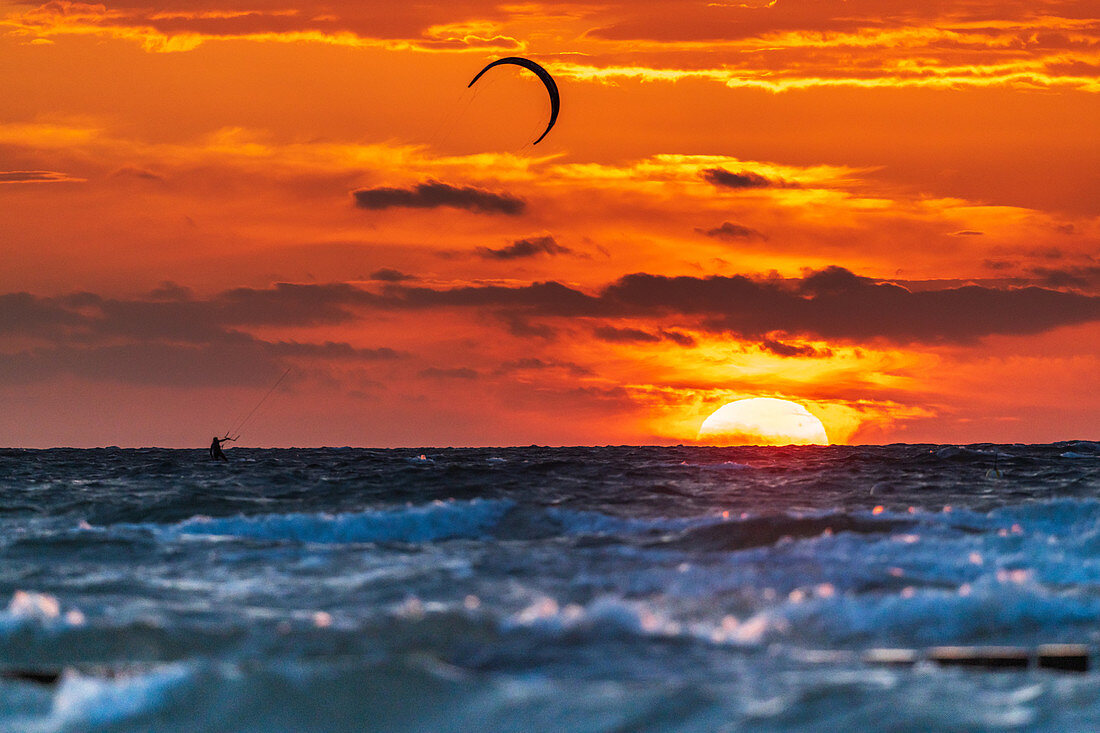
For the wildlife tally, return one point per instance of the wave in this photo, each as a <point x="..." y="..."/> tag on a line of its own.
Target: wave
<point x="749" y="532"/>
<point x="439" y="520"/>
<point x="576" y="522"/>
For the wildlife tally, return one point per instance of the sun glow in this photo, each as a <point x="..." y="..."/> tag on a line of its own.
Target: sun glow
<point x="762" y="421"/>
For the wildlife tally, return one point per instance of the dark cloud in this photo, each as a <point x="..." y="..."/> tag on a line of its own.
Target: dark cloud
<point x="967" y="233"/>
<point x="211" y="319"/>
<point x="522" y="327"/>
<point x="1046" y="253"/>
<point x="172" y="338"/>
<point x="130" y="171"/>
<point x="147" y="363"/>
<point x="333" y="350"/>
<point x="832" y="303"/>
<point x="525" y="248"/>
<point x="294" y="304"/>
<point x="549" y="298"/>
<point x="677" y="337"/>
<point x="390" y="275"/>
<point x="169" y="290"/>
<point x="805" y="350"/>
<point x="625" y="335"/>
<point x="1066" y="229"/>
<point x="730" y="232"/>
<point x="611" y="397"/>
<point x="36" y="177"/>
<point x="434" y="194"/>
<point x="743" y="179"/>
<point x="835" y="303"/>
<point x="26" y="314"/>
<point x="533" y="364"/>
<point x="615" y="335"/>
<point x="1084" y="278"/>
<point x="998" y="264"/>
<point x="451" y="373"/>
<point x="236" y="359"/>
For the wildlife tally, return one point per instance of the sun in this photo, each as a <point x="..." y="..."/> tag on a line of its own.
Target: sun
<point x="762" y="421"/>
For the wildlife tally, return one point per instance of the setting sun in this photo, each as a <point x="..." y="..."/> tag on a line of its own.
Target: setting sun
<point x="763" y="421"/>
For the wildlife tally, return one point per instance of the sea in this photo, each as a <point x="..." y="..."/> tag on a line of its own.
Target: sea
<point x="547" y="589"/>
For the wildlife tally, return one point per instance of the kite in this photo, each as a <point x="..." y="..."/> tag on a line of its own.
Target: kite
<point x="551" y="86"/>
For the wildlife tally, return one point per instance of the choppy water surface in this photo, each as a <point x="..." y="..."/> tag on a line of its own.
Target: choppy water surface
<point x="544" y="589"/>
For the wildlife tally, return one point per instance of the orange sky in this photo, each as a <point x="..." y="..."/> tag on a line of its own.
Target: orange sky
<point x="887" y="212"/>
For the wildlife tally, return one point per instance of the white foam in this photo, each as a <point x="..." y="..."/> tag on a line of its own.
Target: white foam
<point x="617" y="614"/>
<point x="83" y="702"/>
<point x="30" y="606"/>
<point x="586" y="522"/>
<point x="27" y="604"/>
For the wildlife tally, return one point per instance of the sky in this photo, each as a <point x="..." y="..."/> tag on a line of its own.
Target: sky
<point x="886" y="211"/>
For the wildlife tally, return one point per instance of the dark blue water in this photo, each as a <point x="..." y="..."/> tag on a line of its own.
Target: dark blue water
<point x="544" y="589"/>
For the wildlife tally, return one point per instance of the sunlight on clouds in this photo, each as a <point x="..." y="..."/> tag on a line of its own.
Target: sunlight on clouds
<point x="676" y="414"/>
<point x="696" y="381"/>
<point x="141" y="27"/>
<point x="904" y="74"/>
<point x="47" y="135"/>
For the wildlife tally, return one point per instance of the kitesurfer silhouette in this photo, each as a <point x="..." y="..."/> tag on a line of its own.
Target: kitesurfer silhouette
<point x="216" y="448"/>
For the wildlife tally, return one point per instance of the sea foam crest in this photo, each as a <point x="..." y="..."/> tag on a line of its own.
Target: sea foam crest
<point x="436" y="521"/>
<point x="84" y="702"/>
<point x="29" y="605"/>
<point x="574" y="521"/>
<point x="616" y="615"/>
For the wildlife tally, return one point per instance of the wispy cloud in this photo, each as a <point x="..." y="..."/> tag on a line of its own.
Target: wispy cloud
<point x="37" y="177"/>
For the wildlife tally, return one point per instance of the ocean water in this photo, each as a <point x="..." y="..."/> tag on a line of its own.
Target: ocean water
<point x="544" y="589"/>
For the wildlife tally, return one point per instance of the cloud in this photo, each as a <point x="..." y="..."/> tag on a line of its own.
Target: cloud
<point x="183" y="26"/>
<point x="805" y="350"/>
<point x="434" y="194"/>
<point x="789" y="45"/>
<point x="677" y="337"/>
<point x="1046" y="253"/>
<point x="524" y="248"/>
<point x="26" y="314"/>
<point x="37" y="177"/>
<point x="536" y="298"/>
<point x="615" y="335"/>
<point x="520" y="326"/>
<point x="1085" y="278"/>
<point x="174" y="337"/>
<point x="170" y="337"/>
<point x="534" y="364"/>
<point x="967" y="233"/>
<point x="333" y="350"/>
<point x="389" y="275"/>
<point x="744" y="179"/>
<point x="129" y="171"/>
<point x="730" y="232"/>
<point x="169" y="290"/>
<point x="292" y="304"/>
<point x="625" y="335"/>
<point x="836" y="304"/>
<point x="449" y="373"/>
<point x="832" y="303"/>
<point x="146" y="363"/>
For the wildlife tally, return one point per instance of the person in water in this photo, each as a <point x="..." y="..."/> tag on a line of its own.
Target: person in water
<point x="216" y="448"/>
